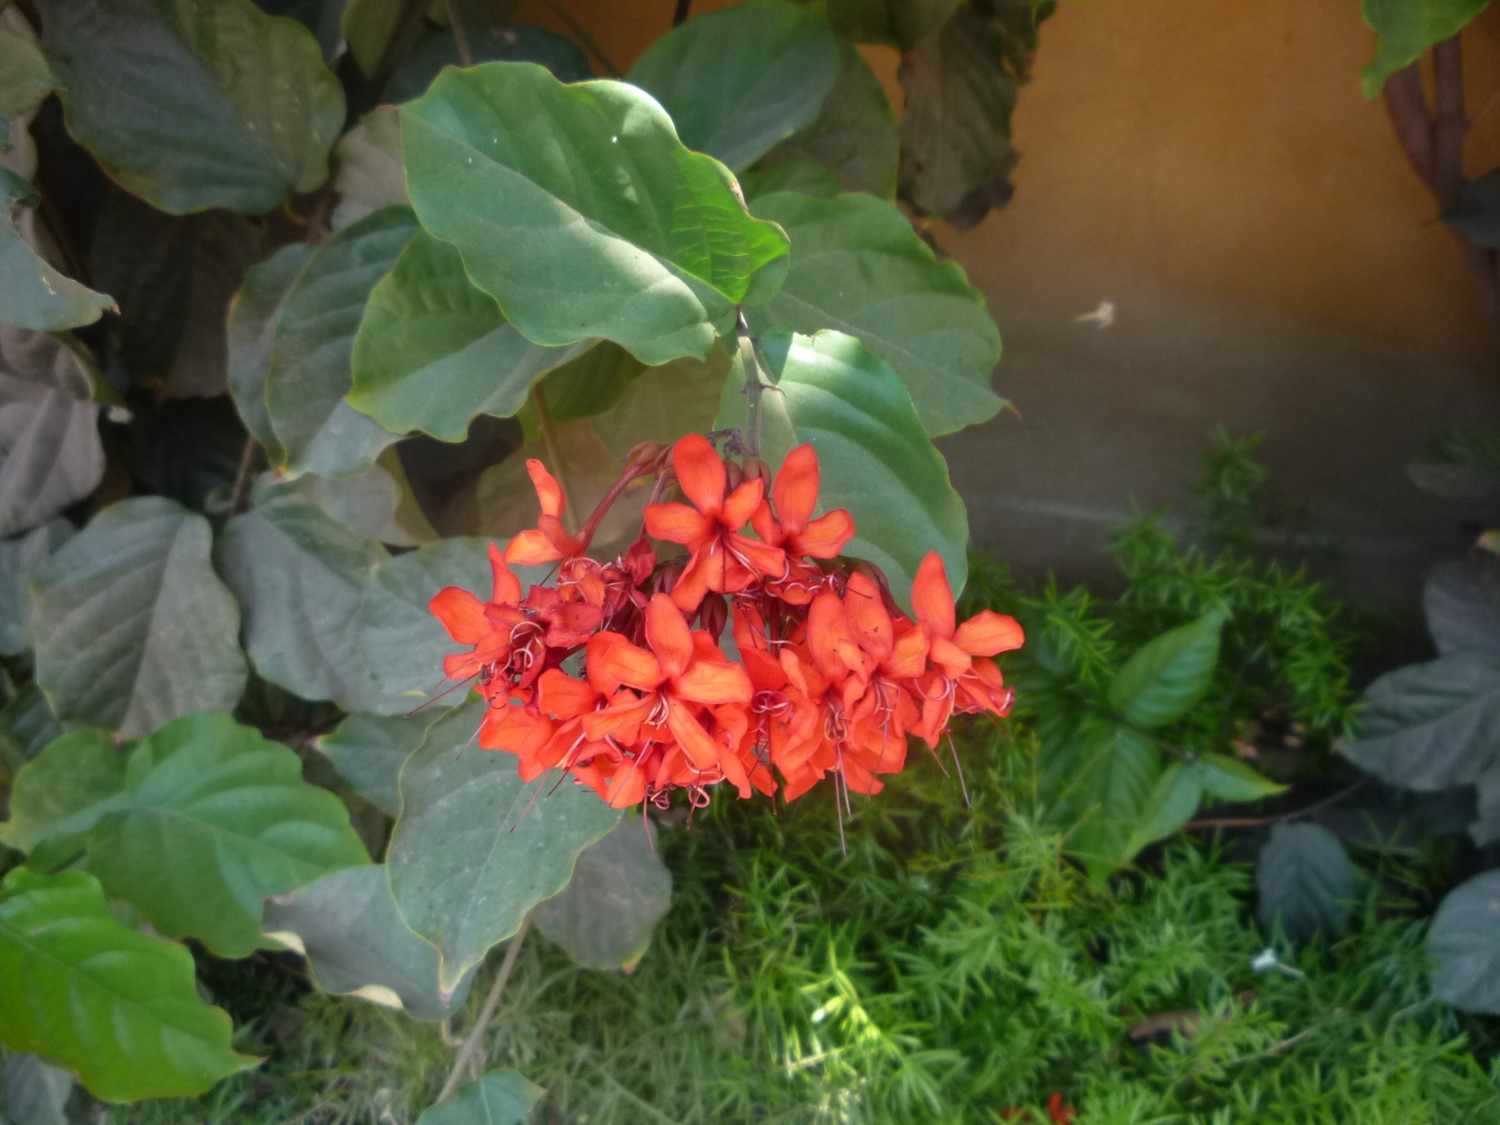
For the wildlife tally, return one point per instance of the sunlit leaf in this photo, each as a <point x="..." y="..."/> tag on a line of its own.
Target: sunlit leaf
<point x="1406" y="28"/>
<point x="501" y="1097"/>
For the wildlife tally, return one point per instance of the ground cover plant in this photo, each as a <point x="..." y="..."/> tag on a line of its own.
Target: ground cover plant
<point x="432" y="478"/>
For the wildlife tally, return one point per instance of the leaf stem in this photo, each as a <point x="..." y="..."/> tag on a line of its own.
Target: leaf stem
<point x="548" y="430"/>
<point x="754" y="388"/>
<point x="243" y="476"/>
<point x="460" y="36"/>
<point x="683" y="10"/>
<point x="471" y="1042"/>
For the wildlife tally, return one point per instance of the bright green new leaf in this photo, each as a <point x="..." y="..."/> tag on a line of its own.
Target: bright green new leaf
<point x="858" y="267"/>
<point x="119" y="1007"/>
<point x="1431" y="726"/>
<point x="65" y="790"/>
<point x="432" y="351"/>
<point x="35" y="295"/>
<point x="1305" y="881"/>
<point x="601" y="224"/>
<point x="1407" y="28"/>
<point x="132" y="626"/>
<point x="855" y="136"/>
<point x="476" y="847"/>
<point x="215" y="818"/>
<point x="298" y="576"/>
<point x="739" y="80"/>
<point x="1171" y="803"/>
<point x="369" y="750"/>
<point x="501" y="1097"/>
<point x="347" y="927"/>
<point x="249" y="332"/>
<point x="620" y="890"/>
<point x="876" y="461"/>
<point x="25" y="78"/>
<point x="226" y="107"/>
<point x="1111" y="798"/>
<point x="1230" y="779"/>
<point x="896" y="23"/>
<point x="309" y="372"/>
<point x="1462" y="943"/>
<point x="1167" y="675"/>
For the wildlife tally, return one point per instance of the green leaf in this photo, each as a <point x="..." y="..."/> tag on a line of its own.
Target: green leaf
<point x="489" y="41"/>
<point x="876" y="462"/>
<point x="227" y="107"/>
<point x="63" y="792"/>
<point x="1109" y="794"/>
<point x="1461" y="605"/>
<point x="1305" y="881"/>
<point x="791" y="175"/>
<point x="249" y="334"/>
<point x="1171" y="803"/>
<point x="216" y="818"/>
<point x="347" y="927"/>
<point x="1463" y="942"/>
<point x="1230" y="779"/>
<point x="402" y="642"/>
<point x="1431" y="726"/>
<point x="298" y="576"/>
<point x="600" y="225"/>
<point x="858" y="267"/>
<point x="25" y="79"/>
<point x="376" y="504"/>
<point x="35" y="295"/>
<point x="1406" y="28"/>
<point x="501" y="1097"/>
<point x="1168" y="675"/>
<point x="369" y="750"/>
<point x="895" y="23"/>
<point x="132" y="627"/>
<point x="173" y="277"/>
<point x="1485" y="828"/>
<point x="854" y="136"/>
<point x="368" y="174"/>
<point x="476" y="848"/>
<point x="961" y="87"/>
<point x="33" y="1093"/>
<point x="19" y="559"/>
<point x="737" y="81"/>
<point x="620" y="890"/>
<point x="118" y="1007"/>
<point x="1475" y="214"/>
<point x="27" y="724"/>
<point x="432" y="351"/>
<point x="665" y="403"/>
<point x="50" y="452"/>
<point x="585" y="387"/>
<point x="309" y="372"/>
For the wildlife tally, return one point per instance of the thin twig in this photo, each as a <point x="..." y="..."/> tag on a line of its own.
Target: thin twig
<point x="460" y="36"/>
<point x="684" y="9"/>
<point x="471" y="1043"/>
<point x="1406" y="105"/>
<point x="243" y="476"/>
<point x="581" y="34"/>
<point x="554" y="454"/>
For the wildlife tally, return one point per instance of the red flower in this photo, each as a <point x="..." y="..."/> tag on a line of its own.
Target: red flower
<point x="795" y="495"/>
<point x="550" y="540"/>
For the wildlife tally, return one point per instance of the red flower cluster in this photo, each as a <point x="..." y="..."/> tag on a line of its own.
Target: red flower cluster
<point x="617" y="673"/>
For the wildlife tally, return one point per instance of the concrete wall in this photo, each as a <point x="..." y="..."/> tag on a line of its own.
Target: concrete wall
<point x="1213" y="170"/>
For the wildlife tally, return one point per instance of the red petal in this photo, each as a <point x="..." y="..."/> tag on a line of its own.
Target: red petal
<point x="742" y="503"/>
<point x="713" y="683"/>
<point x="461" y="613"/>
<point x="796" y="488"/>
<point x="668" y="635"/>
<point x="548" y="491"/>
<point x="531" y="548"/>
<point x="677" y="523"/>
<point x="767" y="561"/>
<point x="612" y="660"/>
<point x="868" y="620"/>
<point x="932" y="597"/>
<point x="691" y="736"/>
<point x="507" y="587"/>
<point x="987" y="633"/>
<point x="825" y="537"/>
<point x="700" y="472"/>
<point x="564" y="696"/>
<point x="693" y="583"/>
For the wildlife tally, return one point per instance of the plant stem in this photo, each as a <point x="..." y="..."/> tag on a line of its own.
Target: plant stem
<point x="684" y="9"/>
<point x="242" y="477"/>
<point x="471" y="1042"/>
<point x="460" y="36"/>
<point x="554" y="454"/>
<point x="754" y="388"/>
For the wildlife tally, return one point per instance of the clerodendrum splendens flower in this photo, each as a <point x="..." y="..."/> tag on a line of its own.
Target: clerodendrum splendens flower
<point x="617" y="673"/>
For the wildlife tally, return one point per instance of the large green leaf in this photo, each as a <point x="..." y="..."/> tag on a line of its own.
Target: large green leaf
<point x="376" y="504"/>
<point x="433" y="351"/>
<point x="1305" y="881"/>
<point x="25" y="78"/>
<point x="226" y="107"/>
<point x="35" y="295"/>
<point x="875" y="459"/>
<point x="599" y="224"/>
<point x="66" y="790"/>
<point x="739" y="80"/>
<point x="119" y="1007"/>
<point x="854" y="136"/>
<point x="249" y="334"/>
<point x="476" y="848"/>
<point x="347" y="927"/>
<point x="895" y="23"/>
<point x="20" y="558"/>
<point x="1111" y="796"/>
<point x="858" y="267"/>
<point x="298" y="576"/>
<point x="620" y="890"/>
<point x="173" y="277"/>
<point x="665" y="403"/>
<point x="369" y="750"/>
<point x="1463" y="943"/>
<point x="1171" y="803"/>
<point x="1461" y="605"/>
<point x="501" y="1097"/>
<point x="33" y="1092"/>
<point x="1432" y="726"/>
<point x="1169" y="674"/>
<point x="1406" y="28"/>
<point x="131" y="625"/>
<point x="309" y="372"/>
<point x="585" y="387"/>
<point x="368" y="173"/>
<point x="216" y="818"/>
<point x="27" y="725"/>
